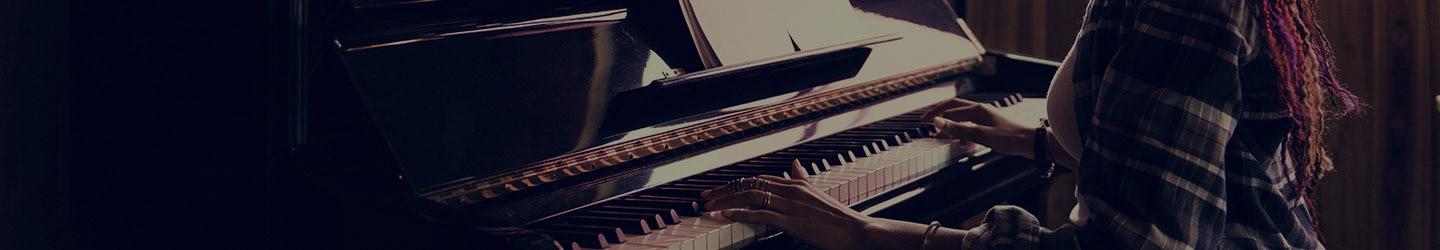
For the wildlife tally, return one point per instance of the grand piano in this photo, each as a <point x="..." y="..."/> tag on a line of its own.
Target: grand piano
<point x="587" y="124"/>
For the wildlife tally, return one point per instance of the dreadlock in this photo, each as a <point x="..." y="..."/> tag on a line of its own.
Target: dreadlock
<point x="1308" y="86"/>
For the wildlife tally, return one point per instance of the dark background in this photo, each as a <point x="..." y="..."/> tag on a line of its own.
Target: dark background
<point x="1383" y="194"/>
<point x="159" y="124"/>
<point x="136" y="124"/>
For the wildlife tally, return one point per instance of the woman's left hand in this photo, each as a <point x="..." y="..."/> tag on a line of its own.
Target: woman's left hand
<point x="983" y="124"/>
<point x="794" y="206"/>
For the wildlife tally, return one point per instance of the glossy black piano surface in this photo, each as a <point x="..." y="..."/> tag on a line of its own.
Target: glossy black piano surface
<point x="476" y="102"/>
<point x="415" y="105"/>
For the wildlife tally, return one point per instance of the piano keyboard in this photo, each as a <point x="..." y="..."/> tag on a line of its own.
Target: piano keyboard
<point x="851" y="166"/>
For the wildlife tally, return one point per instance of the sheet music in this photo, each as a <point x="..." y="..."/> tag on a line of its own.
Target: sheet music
<point x="820" y="23"/>
<point x="738" y="31"/>
<point x="744" y="30"/>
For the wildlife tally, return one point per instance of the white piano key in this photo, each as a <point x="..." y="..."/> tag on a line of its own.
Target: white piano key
<point x="828" y="186"/>
<point x="630" y="246"/>
<point x="851" y="182"/>
<point x="751" y="232"/>
<point x="664" y="239"/>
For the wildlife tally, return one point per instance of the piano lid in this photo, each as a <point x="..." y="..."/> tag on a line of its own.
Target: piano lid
<point x="493" y="98"/>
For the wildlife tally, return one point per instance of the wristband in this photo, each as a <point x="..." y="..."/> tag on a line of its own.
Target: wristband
<point x="1042" y="153"/>
<point x="934" y="226"/>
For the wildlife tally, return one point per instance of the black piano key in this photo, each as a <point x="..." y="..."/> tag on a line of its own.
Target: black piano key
<point x="868" y="145"/>
<point x="899" y="137"/>
<point x="585" y="239"/>
<point x="653" y="219"/>
<point x="997" y="99"/>
<point x="704" y="185"/>
<point x="818" y="163"/>
<point x="633" y="226"/>
<point x="904" y="121"/>
<point x="612" y="234"/>
<point x="908" y="132"/>
<point x="856" y="150"/>
<point x="714" y="183"/>
<point x="831" y="158"/>
<point x="912" y="131"/>
<point x="752" y="172"/>
<point x="900" y="122"/>
<point x="893" y="138"/>
<point x="719" y="177"/>
<point x="810" y="167"/>
<point x="874" y="146"/>
<point x="670" y="198"/>
<point x="1000" y="98"/>
<point x="569" y="245"/>
<point x="670" y="191"/>
<point x="921" y="129"/>
<point x="985" y="97"/>
<point x="666" y="214"/>
<point x="919" y="111"/>
<point x="686" y="208"/>
<point x="785" y="170"/>
<point x="886" y="141"/>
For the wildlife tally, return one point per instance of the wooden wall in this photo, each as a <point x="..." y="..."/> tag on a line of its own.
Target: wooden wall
<point x="1384" y="194"/>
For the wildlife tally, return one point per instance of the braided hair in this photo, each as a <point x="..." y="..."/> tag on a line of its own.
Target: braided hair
<point x="1309" y="88"/>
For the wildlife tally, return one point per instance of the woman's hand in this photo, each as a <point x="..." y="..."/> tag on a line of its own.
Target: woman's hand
<point x="982" y="124"/>
<point x="794" y="206"/>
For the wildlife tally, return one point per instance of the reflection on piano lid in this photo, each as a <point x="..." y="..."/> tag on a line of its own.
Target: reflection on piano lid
<point x="571" y="122"/>
<point x="474" y="115"/>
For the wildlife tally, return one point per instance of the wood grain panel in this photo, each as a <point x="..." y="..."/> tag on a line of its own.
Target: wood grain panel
<point x="1383" y="195"/>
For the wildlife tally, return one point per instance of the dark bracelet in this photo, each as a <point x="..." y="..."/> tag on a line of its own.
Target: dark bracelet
<point x="1042" y="153"/>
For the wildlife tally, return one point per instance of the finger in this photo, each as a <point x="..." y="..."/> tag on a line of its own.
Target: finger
<point x="756" y="216"/>
<point x="798" y="193"/>
<point x="780" y="180"/>
<point x="947" y="105"/>
<point x="961" y="130"/>
<point x="979" y="114"/>
<point x="943" y="128"/>
<point x="797" y="170"/>
<point x="958" y="130"/>
<point x="753" y="199"/>
<point x="728" y="189"/>
<point x="789" y="189"/>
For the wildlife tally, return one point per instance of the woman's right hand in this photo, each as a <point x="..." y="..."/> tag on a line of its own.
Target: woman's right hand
<point x="982" y="124"/>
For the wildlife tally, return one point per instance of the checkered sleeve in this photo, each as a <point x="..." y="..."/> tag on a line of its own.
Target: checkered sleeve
<point x="1152" y="171"/>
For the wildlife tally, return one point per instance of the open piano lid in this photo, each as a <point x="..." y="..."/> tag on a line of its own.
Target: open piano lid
<point x="480" y="102"/>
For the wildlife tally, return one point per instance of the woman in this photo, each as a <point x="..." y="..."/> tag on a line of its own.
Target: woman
<point x="1192" y="124"/>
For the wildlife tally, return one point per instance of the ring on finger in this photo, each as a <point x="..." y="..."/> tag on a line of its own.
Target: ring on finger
<point x="740" y="185"/>
<point x="764" y="190"/>
<point x="766" y="204"/>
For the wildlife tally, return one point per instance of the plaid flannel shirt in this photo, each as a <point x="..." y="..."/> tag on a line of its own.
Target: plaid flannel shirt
<point x="1181" y="128"/>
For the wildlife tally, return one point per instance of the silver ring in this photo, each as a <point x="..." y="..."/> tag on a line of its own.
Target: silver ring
<point x="764" y="185"/>
<point x="766" y="205"/>
<point x="740" y="185"/>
